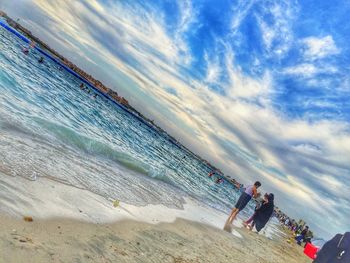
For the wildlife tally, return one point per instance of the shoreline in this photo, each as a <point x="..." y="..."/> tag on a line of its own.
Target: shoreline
<point x="44" y="199"/>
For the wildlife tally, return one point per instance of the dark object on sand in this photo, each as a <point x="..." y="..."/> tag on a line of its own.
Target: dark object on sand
<point x="41" y="60"/>
<point x="336" y="250"/>
<point x="28" y="218"/>
<point x="263" y="214"/>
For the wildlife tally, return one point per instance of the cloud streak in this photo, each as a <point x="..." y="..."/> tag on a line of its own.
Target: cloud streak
<point x="317" y="48"/>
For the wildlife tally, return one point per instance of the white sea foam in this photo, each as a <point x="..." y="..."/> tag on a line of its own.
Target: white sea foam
<point x="45" y="198"/>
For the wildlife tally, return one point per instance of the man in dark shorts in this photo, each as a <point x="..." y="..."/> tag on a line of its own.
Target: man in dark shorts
<point x="250" y="191"/>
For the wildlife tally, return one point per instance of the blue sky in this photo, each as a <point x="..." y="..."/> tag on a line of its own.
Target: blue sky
<point x="259" y="88"/>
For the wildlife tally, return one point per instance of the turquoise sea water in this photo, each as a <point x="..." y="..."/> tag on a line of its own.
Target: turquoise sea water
<point x="50" y="128"/>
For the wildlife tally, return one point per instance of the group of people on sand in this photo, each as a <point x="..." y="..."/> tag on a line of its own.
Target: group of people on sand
<point x="263" y="210"/>
<point x="301" y="232"/>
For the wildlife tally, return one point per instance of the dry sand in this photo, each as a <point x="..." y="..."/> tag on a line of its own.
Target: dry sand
<point x="66" y="240"/>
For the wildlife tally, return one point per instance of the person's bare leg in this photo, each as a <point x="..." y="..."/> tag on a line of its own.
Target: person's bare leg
<point x="248" y="221"/>
<point x="251" y="226"/>
<point x="227" y="226"/>
<point x="233" y="216"/>
<point x="229" y="220"/>
<point x="227" y="223"/>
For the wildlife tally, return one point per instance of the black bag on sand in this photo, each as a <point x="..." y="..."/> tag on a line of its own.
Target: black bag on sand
<point x="336" y="250"/>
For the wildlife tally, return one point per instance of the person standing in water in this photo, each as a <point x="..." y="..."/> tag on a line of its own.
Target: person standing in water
<point x="219" y="180"/>
<point x="250" y="191"/>
<point x="264" y="213"/>
<point x="211" y="173"/>
<point x="26" y="49"/>
<point x="259" y="201"/>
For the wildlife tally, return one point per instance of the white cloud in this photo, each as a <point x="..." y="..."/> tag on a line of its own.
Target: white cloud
<point x="186" y="21"/>
<point x="241" y="86"/>
<point x="268" y="34"/>
<point x="310" y="70"/>
<point x="307" y="148"/>
<point x="316" y="48"/>
<point x="240" y="11"/>
<point x="275" y="22"/>
<point x="213" y="69"/>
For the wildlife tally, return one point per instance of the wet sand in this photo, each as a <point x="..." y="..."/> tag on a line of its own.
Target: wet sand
<point x="66" y="240"/>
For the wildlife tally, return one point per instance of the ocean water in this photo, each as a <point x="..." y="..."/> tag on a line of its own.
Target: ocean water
<point x="50" y="128"/>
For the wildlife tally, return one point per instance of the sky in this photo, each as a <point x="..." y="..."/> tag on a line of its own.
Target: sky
<point x="259" y="88"/>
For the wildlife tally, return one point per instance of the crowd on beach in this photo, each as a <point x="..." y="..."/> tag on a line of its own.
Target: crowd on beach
<point x="300" y="231"/>
<point x="334" y="250"/>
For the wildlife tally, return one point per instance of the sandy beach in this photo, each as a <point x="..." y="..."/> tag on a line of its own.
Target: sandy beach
<point x="75" y="225"/>
<point x="63" y="240"/>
